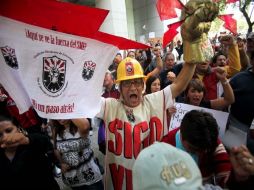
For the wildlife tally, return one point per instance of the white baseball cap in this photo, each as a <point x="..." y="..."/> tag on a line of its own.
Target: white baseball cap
<point x="162" y="166"/>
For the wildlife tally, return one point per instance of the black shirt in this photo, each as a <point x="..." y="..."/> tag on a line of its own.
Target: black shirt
<point x="30" y="168"/>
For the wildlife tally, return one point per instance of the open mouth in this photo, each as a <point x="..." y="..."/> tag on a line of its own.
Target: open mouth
<point x="133" y="96"/>
<point x="196" y="100"/>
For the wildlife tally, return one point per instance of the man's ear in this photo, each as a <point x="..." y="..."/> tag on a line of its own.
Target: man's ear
<point x="120" y="87"/>
<point x="144" y="87"/>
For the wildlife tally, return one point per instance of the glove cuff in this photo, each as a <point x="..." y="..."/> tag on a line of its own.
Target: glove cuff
<point x="198" y="51"/>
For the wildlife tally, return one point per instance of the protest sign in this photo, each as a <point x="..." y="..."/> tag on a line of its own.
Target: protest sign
<point x="182" y="109"/>
<point x="60" y="74"/>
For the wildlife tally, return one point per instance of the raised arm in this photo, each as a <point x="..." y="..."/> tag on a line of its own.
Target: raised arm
<point x="183" y="79"/>
<point x="229" y="98"/>
<point x="83" y="126"/>
<point x="244" y="59"/>
<point x="234" y="65"/>
<point x="197" y="16"/>
<point x="158" y="67"/>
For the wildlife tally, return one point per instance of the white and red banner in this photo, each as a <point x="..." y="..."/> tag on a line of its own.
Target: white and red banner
<point x="59" y="74"/>
<point x="220" y="116"/>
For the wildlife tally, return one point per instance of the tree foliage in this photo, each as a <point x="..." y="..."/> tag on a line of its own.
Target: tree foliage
<point x="243" y="7"/>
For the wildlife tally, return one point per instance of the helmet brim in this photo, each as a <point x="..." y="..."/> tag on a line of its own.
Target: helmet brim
<point x="130" y="77"/>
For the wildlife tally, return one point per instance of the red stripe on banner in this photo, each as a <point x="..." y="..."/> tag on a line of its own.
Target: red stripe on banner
<point x="61" y="16"/>
<point x="230" y="23"/>
<point x="171" y="33"/>
<point x="65" y="17"/>
<point x="231" y="1"/>
<point x="120" y="42"/>
<point x="166" y="8"/>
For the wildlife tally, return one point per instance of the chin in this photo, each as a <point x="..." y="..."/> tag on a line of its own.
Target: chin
<point x="134" y="104"/>
<point x="195" y="103"/>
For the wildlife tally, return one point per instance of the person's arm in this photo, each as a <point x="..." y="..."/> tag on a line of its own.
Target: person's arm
<point x="234" y="65"/>
<point x="182" y="80"/>
<point x="83" y="126"/>
<point x="15" y="139"/>
<point x="64" y="167"/>
<point x="229" y="98"/>
<point x="242" y="162"/>
<point x="222" y="166"/>
<point x="35" y="141"/>
<point x="158" y="67"/>
<point x="244" y="59"/>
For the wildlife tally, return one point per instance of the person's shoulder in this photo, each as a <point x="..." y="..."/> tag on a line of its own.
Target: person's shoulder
<point x="241" y="74"/>
<point x="112" y="101"/>
<point x="152" y="95"/>
<point x="154" y="99"/>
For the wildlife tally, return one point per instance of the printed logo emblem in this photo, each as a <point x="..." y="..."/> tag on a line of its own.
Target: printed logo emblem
<point x="53" y="75"/>
<point x="129" y="69"/>
<point x="88" y="70"/>
<point x="10" y="57"/>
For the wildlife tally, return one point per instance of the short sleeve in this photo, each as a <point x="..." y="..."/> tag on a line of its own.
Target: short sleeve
<point x="102" y="108"/>
<point x="168" y="97"/>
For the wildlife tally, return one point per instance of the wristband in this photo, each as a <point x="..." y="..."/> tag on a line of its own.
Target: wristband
<point x="226" y="82"/>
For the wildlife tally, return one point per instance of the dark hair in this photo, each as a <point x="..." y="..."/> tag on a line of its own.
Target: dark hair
<point x="200" y="129"/>
<point x="166" y="56"/>
<point x="149" y="82"/>
<point x="139" y="51"/>
<point x="7" y="117"/>
<point x="131" y="51"/>
<point x="197" y="85"/>
<point x="59" y="129"/>
<point x="119" y="54"/>
<point x="215" y="57"/>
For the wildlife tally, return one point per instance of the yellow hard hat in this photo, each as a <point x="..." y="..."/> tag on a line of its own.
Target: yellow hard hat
<point x="129" y="68"/>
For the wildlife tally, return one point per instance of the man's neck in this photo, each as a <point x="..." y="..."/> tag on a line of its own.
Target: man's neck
<point x="109" y="88"/>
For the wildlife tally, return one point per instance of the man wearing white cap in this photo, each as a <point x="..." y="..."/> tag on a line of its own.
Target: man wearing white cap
<point x="162" y="166"/>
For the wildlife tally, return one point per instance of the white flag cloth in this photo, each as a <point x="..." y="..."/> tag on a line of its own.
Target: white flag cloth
<point x="61" y="75"/>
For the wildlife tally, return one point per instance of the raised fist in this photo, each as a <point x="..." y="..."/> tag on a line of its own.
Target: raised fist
<point x="171" y="76"/>
<point x="197" y="16"/>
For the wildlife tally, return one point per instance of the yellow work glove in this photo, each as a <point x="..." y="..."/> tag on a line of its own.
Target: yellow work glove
<point x="197" y="16"/>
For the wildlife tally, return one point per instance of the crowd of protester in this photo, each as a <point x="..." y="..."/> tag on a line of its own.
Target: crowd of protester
<point x="136" y="110"/>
